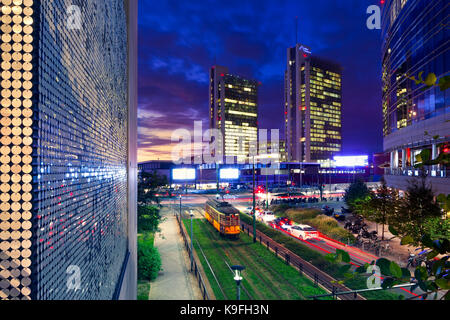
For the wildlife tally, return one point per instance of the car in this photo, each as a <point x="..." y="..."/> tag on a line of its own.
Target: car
<point x="267" y="216"/>
<point x="286" y="227"/>
<point x="248" y="210"/>
<point x="339" y="216"/>
<point x="304" y="232"/>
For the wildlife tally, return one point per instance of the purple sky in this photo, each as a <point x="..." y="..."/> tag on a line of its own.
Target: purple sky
<point x="180" y="40"/>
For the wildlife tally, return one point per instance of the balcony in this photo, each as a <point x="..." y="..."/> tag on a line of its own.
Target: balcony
<point x="414" y="172"/>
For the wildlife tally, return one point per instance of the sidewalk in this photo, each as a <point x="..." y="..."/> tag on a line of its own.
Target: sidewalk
<point x="399" y="253"/>
<point x="174" y="282"/>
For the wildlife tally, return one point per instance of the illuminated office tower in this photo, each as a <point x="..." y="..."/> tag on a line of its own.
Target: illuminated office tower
<point x="313" y="104"/>
<point x="68" y="150"/>
<point x="233" y="111"/>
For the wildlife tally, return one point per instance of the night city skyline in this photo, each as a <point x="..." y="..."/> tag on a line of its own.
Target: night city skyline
<point x="179" y="42"/>
<point x="255" y="154"/>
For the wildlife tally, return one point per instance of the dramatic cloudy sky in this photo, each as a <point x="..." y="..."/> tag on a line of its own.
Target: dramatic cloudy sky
<point x="180" y="40"/>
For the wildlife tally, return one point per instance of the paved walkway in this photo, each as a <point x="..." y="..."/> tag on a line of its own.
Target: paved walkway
<point x="174" y="282"/>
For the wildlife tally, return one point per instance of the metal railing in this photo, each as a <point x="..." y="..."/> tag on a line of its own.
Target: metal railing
<point x="415" y="172"/>
<point x="194" y="264"/>
<point x="353" y="292"/>
<point x="304" y="267"/>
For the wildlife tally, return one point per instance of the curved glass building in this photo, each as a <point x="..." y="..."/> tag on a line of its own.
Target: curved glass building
<point x="415" y="39"/>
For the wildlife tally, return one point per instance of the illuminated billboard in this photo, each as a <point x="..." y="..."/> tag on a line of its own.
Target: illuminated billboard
<point x="229" y="174"/>
<point x="351" y="161"/>
<point x="183" y="174"/>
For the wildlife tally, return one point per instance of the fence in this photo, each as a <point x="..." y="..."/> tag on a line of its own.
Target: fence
<point x="305" y="268"/>
<point x="194" y="266"/>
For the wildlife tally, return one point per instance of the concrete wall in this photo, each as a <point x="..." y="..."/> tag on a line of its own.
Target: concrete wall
<point x="439" y="185"/>
<point x="129" y="285"/>
<point x="416" y="133"/>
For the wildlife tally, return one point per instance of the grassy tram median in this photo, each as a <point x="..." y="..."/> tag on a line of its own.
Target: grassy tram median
<point x="318" y="260"/>
<point x="266" y="276"/>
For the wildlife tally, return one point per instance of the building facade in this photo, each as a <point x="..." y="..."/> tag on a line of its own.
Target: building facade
<point x="415" y="43"/>
<point x="313" y="105"/>
<point x="68" y="151"/>
<point x="233" y="111"/>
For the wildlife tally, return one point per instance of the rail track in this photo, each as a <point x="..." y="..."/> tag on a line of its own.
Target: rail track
<point x="317" y="275"/>
<point x="250" y="263"/>
<point x="213" y="235"/>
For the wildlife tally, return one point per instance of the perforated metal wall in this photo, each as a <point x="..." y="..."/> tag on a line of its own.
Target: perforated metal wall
<point x="63" y="149"/>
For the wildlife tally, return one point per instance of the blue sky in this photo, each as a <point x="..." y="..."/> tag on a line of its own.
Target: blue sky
<point x="180" y="40"/>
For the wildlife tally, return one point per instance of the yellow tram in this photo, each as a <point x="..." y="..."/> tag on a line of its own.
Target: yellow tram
<point x="224" y="217"/>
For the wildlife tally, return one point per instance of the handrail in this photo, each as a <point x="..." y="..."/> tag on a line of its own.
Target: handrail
<point x="194" y="267"/>
<point x="304" y="267"/>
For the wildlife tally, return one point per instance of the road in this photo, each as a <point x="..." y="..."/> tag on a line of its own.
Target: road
<point x="324" y="245"/>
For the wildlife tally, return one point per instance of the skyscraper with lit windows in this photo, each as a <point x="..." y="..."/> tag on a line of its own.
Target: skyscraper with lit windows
<point x="68" y="150"/>
<point x="233" y="111"/>
<point x="313" y="106"/>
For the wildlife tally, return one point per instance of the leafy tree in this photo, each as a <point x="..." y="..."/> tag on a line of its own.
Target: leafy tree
<point x="148" y="186"/>
<point x="379" y="205"/>
<point x="431" y="81"/>
<point x="357" y="191"/>
<point x="148" y="218"/>
<point x="417" y="206"/>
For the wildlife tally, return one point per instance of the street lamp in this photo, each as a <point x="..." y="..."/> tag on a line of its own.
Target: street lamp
<point x="254" y="203"/>
<point x="192" y="240"/>
<point x="238" y="278"/>
<point x="181" y="196"/>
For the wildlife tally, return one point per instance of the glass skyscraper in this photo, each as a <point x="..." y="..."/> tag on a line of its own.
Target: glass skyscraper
<point x="415" y="41"/>
<point x="313" y="106"/>
<point x="234" y="111"/>
<point x="67" y="214"/>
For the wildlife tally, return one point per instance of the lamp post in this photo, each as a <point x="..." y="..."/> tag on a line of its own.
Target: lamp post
<point x="181" y="196"/>
<point x="267" y="192"/>
<point x="217" y="177"/>
<point x="192" y="240"/>
<point x="238" y="278"/>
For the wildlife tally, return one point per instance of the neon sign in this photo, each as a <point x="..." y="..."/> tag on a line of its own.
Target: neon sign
<point x="305" y="50"/>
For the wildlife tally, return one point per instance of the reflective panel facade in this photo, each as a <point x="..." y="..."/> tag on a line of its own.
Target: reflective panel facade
<point x="64" y="192"/>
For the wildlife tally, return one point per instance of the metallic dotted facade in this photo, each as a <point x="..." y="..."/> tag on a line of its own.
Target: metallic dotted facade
<point x="63" y="191"/>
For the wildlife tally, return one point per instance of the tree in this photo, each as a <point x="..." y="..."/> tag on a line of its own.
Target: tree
<point x="383" y="203"/>
<point x="378" y="206"/>
<point x="357" y="191"/>
<point x="148" y="218"/>
<point x="417" y="206"/>
<point x="148" y="185"/>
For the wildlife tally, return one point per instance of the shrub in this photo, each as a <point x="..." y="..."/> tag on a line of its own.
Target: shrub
<point x="300" y="215"/>
<point x="320" y="262"/>
<point x="149" y="261"/>
<point x="148" y="218"/>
